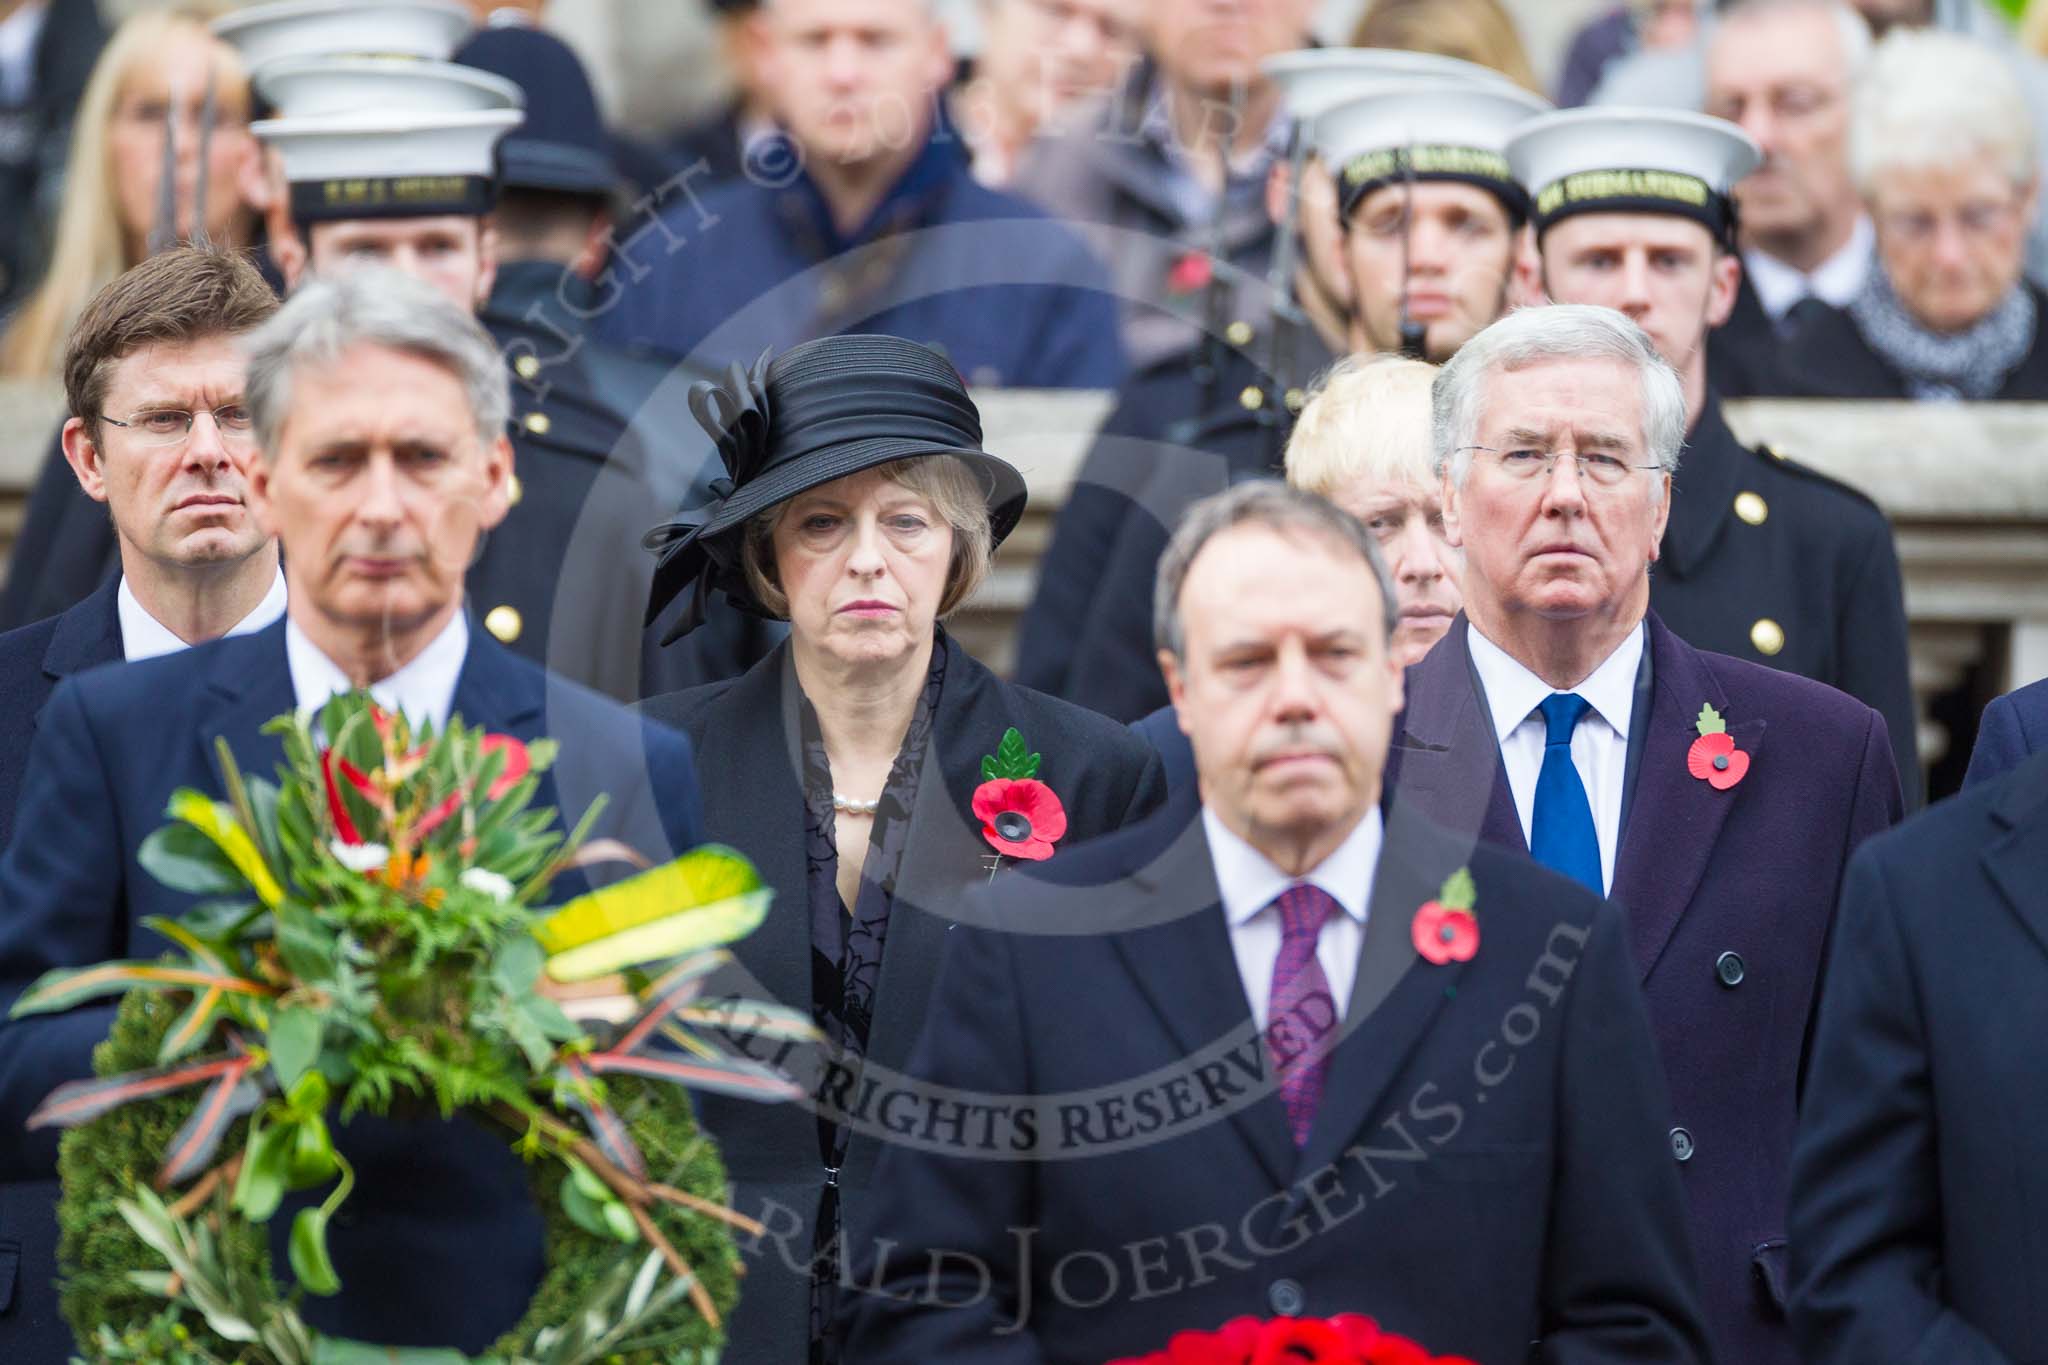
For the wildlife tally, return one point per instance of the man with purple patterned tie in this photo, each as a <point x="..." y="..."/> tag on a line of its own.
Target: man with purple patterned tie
<point x="1316" y="1057"/>
<point x="1715" y="801"/>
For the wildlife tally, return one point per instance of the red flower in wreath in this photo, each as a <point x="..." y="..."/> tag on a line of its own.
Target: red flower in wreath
<point x="1020" y="817"/>
<point x="517" y="763"/>
<point x="1302" y="1341"/>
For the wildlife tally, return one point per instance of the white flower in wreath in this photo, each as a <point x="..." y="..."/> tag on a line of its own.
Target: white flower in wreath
<point x="359" y="857"/>
<point x="486" y="882"/>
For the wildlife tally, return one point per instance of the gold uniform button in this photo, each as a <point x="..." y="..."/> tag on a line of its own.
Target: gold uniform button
<point x="1238" y="333"/>
<point x="514" y="490"/>
<point x="505" y="623"/>
<point x="526" y="367"/>
<point x="1751" y="507"/>
<point x="1767" y="635"/>
<point x="537" y="423"/>
<point x="1253" y="398"/>
<point x="1296" y="400"/>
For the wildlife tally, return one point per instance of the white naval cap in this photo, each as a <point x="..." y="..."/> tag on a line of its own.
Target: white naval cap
<point x="316" y="87"/>
<point x="344" y="28"/>
<point x="1428" y="130"/>
<point x="389" y="165"/>
<point x="1619" y="160"/>
<point x="1314" y="79"/>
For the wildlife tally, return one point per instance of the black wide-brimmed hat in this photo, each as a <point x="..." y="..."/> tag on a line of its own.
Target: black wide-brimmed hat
<point x="818" y="412"/>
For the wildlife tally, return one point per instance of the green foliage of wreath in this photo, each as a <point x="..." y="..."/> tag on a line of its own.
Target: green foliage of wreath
<point x="103" y="1160"/>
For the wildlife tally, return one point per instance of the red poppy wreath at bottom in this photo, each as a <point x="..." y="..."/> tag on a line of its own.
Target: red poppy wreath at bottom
<point x="1347" y="1339"/>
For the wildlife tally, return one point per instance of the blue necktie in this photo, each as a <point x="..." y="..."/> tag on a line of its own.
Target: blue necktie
<point x="1561" y="833"/>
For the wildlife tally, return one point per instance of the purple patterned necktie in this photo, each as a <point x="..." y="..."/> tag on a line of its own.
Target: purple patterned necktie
<point x="1301" y="1015"/>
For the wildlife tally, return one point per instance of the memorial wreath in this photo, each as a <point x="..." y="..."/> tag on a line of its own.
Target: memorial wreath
<point x="367" y="942"/>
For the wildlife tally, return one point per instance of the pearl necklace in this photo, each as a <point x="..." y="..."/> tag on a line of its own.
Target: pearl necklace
<point x="853" y="807"/>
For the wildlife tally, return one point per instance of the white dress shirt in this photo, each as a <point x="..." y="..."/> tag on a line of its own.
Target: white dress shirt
<point x="145" y="637"/>
<point x="1250" y="882"/>
<point x="424" y="690"/>
<point x="1834" y="281"/>
<point x="1599" y="744"/>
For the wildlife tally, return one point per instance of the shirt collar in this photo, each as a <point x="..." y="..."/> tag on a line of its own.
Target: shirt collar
<point x="1513" y="692"/>
<point x="145" y="637"/>
<point x="1249" y="881"/>
<point x="1157" y="128"/>
<point x="1834" y="281"/>
<point x="424" y="688"/>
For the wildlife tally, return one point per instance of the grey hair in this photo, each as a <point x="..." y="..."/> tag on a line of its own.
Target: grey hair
<point x="1536" y="336"/>
<point x="1931" y="99"/>
<point x="373" y="306"/>
<point x="1277" y="507"/>
<point x="1852" y="27"/>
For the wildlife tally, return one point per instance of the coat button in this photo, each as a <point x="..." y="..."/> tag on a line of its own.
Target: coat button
<point x="1296" y="400"/>
<point x="1681" y="1144"/>
<point x="1286" y="1298"/>
<point x="1238" y="333"/>
<point x="537" y="423"/>
<point x="1729" y="969"/>
<point x="504" y="622"/>
<point x="1253" y="398"/>
<point x="1751" y="507"/>
<point x="514" y="490"/>
<point x="1767" y="635"/>
<point x="527" y="366"/>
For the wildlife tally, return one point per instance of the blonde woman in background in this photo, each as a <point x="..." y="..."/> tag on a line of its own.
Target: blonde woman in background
<point x="1471" y="30"/>
<point x="111" y="191"/>
<point x="1363" y="442"/>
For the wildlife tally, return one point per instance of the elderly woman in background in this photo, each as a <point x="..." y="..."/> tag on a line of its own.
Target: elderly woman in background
<point x="156" y="67"/>
<point x="1363" y="442"/>
<point x="1944" y="153"/>
<point x="869" y="767"/>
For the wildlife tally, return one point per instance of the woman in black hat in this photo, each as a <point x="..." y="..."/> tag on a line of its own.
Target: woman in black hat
<point x="869" y="767"/>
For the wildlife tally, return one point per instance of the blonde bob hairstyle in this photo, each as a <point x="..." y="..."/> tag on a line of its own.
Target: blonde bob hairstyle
<point x="1366" y="424"/>
<point x="87" y="250"/>
<point x="944" y="482"/>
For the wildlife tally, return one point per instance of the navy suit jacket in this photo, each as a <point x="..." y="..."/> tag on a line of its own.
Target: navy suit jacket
<point x="1917" y="1198"/>
<point x="2013" y="726"/>
<point x="1125" y="1170"/>
<point x="440" y="1204"/>
<point x="1728" y="898"/>
<point x="33" y="660"/>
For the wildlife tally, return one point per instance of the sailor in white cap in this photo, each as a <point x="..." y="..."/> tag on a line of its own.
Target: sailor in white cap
<point x="1431" y="213"/>
<point x="392" y="161"/>
<point x="1762" y="557"/>
<point x="1189" y="424"/>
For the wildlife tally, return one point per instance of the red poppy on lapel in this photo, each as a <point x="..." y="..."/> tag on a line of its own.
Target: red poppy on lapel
<point x="1020" y="817"/>
<point x="1713" y="758"/>
<point x="1445" y="929"/>
<point x="1191" y="271"/>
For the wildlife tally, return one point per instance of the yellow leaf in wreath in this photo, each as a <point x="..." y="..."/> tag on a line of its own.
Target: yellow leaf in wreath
<point x="704" y="876"/>
<point x="657" y="940"/>
<point x="216" y="821"/>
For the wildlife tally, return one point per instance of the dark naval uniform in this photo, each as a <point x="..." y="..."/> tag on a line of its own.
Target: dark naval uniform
<point x="643" y="458"/>
<point x="1183" y="427"/>
<point x="1770" y="561"/>
<point x="1745" y="353"/>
